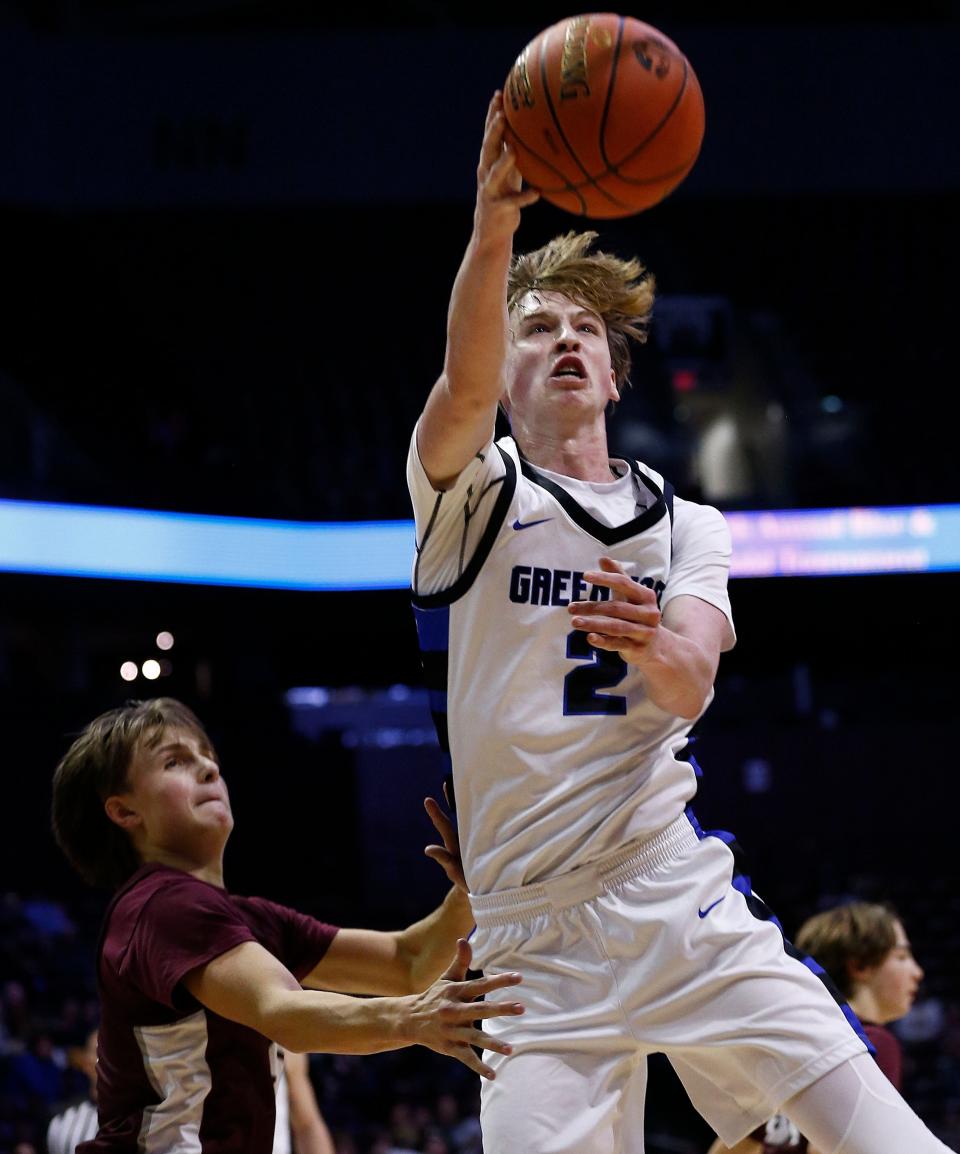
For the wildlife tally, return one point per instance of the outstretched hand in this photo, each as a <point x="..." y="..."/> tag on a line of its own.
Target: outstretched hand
<point x="447" y="856"/>
<point x="443" y="1016"/>
<point x="500" y="191"/>
<point x="628" y="623"/>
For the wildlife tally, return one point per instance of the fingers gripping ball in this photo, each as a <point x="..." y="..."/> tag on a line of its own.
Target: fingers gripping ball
<point x="605" y="114"/>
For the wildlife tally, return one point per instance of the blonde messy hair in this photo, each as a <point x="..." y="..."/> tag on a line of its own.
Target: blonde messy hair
<point x="619" y="291"/>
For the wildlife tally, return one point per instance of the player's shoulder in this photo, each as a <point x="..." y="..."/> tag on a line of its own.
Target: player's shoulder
<point x="140" y="888"/>
<point x="686" y="511"/>
<point x="486" y="462"/>
<point x="498" y="455"/>
<point x="162" y="895"/>
<point x="263" y="909"/>
<point x="155" y="879"/>
<point x="695" y="516"/>
<point x="657" y="479"/>
<point x="508" y="445"/>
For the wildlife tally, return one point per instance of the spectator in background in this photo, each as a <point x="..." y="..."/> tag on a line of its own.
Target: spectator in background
<point x="300" y="1126"/>
<point x="865" y="950"/>
<point x="77" y="1122"/>
<point x="36" y="1074"/>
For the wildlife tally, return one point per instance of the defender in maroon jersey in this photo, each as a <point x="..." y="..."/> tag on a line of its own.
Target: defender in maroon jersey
<point x="199" y="986"/>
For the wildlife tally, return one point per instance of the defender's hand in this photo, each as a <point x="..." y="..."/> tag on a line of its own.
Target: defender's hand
<point x="442" y="1017"/>
<point x="447" y="856"/>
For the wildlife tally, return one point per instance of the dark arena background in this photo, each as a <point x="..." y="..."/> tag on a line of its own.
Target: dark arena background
<point x="228" y="231"/>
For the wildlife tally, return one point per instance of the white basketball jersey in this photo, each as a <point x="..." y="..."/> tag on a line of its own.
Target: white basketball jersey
<point x="558" y="755"/>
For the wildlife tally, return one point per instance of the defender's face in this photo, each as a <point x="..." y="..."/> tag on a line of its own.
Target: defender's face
<point x="895" y="980"/>
<point x="558" y="358"/>
<point x="176" y="799"/>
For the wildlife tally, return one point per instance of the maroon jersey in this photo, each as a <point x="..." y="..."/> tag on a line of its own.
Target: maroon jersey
<point x="889" y="1055"/>
<point x="172" y="1076"/>
<point x="780" y="1136"/>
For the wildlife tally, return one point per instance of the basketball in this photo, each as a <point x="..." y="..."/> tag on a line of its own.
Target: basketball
<point x="605" y="114"/>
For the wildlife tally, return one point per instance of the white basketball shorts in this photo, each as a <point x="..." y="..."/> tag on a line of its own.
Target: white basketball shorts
<point x="649" y="949"/>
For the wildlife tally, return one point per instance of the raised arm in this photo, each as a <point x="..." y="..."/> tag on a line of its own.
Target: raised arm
<point x="249" y="985"/>
<point x="461" y="410"/>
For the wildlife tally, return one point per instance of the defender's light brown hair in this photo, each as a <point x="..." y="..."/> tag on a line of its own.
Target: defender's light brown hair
<point x="858" y="934"/>
<point x="94" y="768"/>
<point x="621" y="292"/>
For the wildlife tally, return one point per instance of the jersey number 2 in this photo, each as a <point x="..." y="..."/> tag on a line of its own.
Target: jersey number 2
<point x="606" y="668"/>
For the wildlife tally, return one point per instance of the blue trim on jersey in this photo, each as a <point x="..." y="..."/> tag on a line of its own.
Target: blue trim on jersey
<point x="855" y="1023"/>
<point x="433" y="628"/>
<point x="692" y="819"/>
<point x="814" y="966"/>
<point x="742" y="883"/>
<point x="762" y="912"/>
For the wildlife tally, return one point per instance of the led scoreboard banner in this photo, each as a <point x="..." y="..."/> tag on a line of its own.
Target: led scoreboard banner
<point x="194" y="548"/>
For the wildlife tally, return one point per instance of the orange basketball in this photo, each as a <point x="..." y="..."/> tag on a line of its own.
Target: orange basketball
<point x="605" y="113"/>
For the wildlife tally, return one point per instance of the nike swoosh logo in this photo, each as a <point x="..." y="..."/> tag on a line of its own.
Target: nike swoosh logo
<point x="530" y="524"/>
<point x="703" y="913"/>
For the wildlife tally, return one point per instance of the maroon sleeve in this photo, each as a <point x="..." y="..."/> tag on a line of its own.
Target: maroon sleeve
<point x="184" y="924"/>
<point x="889" y="1056"/>
<point x="297" y="939"/>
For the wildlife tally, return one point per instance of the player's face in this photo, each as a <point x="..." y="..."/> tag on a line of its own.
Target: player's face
<point x="558" y="359"/>
<point x="894" y="981"/>
<point x="176" y="807"/>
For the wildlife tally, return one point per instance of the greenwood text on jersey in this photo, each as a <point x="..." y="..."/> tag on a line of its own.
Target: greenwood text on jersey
<point x="534" y="585"/>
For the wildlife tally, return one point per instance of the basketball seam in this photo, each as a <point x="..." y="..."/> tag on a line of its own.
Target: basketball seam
<point x="609" y="97"/>
<point x="566" y="186"/>
<point x="613" y="169"/>
<point x="643" y="144"/>
<point x="591" y="180"/>
<point x="638" y="181"/>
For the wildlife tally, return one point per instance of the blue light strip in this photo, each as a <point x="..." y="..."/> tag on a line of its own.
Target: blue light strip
<point x="143" y="545"/>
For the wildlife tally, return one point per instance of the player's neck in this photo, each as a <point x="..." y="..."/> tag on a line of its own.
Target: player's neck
<point x="866" y="1006"/>
<point x="583" y="455"/>
<point x="205" y="870"/>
